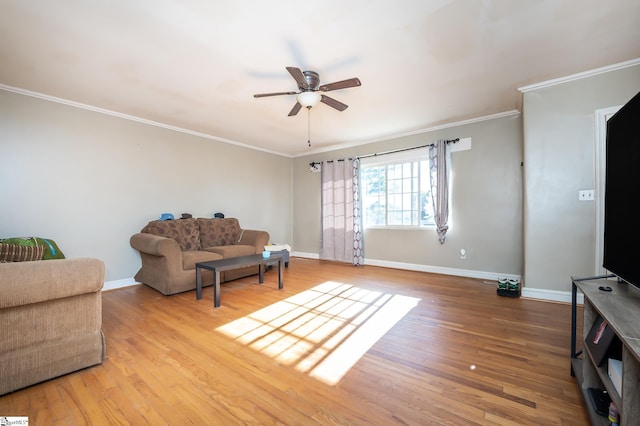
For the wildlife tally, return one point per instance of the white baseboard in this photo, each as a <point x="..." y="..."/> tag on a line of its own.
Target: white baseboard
<point x="125" y="282"/>
<point x="530" y="293"/>
<point x="305" y="255"/>
<point x="484" y="275"/>
<point x="550" y="295"/>
<point x="493" y="276"/>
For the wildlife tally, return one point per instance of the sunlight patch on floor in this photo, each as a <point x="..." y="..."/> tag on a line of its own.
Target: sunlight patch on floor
<point x="323" y="331"/>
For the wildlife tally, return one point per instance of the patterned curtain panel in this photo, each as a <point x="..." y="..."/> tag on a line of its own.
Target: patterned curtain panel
<point x="341" y="223"/>
<point x="358" y="243"/>
<point x="439" y="175"/>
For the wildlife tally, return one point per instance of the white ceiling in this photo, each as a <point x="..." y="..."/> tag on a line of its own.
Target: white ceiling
<point x="195" y="64"/>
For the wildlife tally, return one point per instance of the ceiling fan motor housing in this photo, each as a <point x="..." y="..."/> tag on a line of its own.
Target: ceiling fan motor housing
<point x="313" y="80"/>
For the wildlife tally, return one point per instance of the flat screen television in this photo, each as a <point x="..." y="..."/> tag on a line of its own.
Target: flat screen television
<point x="622" y="194"/>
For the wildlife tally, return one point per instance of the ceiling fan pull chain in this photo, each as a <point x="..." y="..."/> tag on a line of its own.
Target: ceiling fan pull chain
<point x="309" y="126"/>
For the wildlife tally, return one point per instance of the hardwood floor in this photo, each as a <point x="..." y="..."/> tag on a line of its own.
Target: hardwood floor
<point x="338" y="346"/>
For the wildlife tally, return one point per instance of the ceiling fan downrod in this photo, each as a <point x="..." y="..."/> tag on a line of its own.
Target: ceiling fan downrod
<point x="309" y="126"/>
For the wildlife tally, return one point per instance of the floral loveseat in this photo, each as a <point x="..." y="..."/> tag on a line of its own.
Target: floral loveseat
<point x="170" y="249"/>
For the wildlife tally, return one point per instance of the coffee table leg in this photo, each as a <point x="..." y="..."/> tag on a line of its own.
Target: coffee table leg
<point x="216" y="288"/>
<point x="280" y="275"/>
<point x="198" y="283"/>
<point x="261" y="273"/>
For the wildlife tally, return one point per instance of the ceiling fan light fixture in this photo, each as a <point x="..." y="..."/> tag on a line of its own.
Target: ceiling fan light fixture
<point x="308" y="99"/>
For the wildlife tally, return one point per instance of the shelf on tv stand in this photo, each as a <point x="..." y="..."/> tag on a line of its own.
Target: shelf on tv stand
<point x="621" y="309"/>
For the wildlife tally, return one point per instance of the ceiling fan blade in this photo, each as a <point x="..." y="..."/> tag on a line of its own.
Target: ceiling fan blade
<point x="333" y="103"/>
<point x="298" y="76"/>
<point x="344" y="84"/>
<point x="262" y="95"/>
<point x="295" y="109"/>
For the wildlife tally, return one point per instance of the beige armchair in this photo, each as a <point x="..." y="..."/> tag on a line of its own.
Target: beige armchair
<point x="50" y="319"/>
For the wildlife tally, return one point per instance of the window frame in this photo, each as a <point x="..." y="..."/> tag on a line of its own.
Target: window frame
<point x="398" y="158"/>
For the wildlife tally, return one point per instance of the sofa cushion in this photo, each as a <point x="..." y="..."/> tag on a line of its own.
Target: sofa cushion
<point x="218" y="232"/>
<point x="234" y="250"/>
<point x="20" y="253"/>
<point x="183" y="231"/>
<point x="191" y="257"/>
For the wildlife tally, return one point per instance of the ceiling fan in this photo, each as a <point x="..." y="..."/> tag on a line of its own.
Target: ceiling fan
<point x="309" y="86"/>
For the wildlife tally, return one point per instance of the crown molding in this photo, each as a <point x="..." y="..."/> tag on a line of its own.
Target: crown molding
<point x="132" y="118"/>
<point x="580" y="75"/>
<point x="512" y="113"/>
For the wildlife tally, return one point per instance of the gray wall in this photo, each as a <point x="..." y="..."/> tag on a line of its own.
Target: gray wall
<point x="559" y="137"/>
<point x="486" y="205"/>
<point x="90" y="180"/>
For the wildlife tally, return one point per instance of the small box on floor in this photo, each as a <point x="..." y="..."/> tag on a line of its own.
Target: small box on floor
<point x="508" y="287"/>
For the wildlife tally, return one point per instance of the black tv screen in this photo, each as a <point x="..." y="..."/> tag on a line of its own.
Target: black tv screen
<point x="622" y="194"/>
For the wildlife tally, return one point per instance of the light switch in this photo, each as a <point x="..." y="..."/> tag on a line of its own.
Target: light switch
<point x="585" y="195"/>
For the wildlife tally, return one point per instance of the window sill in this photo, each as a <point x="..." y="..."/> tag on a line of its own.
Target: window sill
<point x="401" y="228"/>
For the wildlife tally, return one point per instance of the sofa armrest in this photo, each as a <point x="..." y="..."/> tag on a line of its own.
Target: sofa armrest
<point x="251" y="237"/>
<point x="155" y="245"/>
<point x="22" y="283"/>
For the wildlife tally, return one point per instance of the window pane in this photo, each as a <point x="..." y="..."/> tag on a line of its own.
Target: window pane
<point x="406" y="201"/>
<point x="397" y="194"/>
<point x="407" y="185"/>
<point x="395" y="186"/>
<point x="395" y="171"/>
<point x="375" y="219"/>
<point x="395" y="218"/>
<point x="426" y="213"/>
<point x="395" y="201"/>
<point x="406" y="218"/>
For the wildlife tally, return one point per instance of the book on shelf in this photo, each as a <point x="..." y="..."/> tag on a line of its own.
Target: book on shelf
<point x="599" y="339"/>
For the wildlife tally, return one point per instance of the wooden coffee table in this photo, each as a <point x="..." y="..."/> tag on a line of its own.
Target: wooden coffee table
<point x="217" y="266"/>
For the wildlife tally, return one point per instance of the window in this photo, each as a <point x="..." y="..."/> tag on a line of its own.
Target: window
<point x="397" y="194"/>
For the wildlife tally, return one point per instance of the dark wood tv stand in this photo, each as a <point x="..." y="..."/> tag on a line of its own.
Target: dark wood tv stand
<point x="621" y="309"/>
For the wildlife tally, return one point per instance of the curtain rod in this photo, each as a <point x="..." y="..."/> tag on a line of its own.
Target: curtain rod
<point x="316" y="163"/>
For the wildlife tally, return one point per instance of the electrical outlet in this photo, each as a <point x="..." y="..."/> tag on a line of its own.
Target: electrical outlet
<point x="463" y="254"/>
<point x="585" y="195"/>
